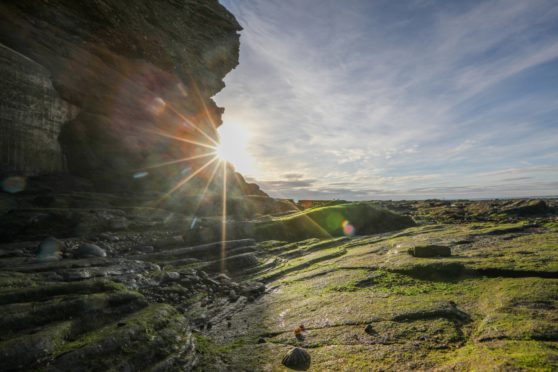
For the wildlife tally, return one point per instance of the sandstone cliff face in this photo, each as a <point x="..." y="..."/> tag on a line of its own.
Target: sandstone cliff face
<point x="141" y="74"/>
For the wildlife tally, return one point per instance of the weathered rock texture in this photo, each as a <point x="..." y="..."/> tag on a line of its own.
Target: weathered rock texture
<point x="142" y="75"/>
<point x="31" y="116"/>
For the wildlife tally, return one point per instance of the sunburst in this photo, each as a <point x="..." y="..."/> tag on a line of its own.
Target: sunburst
<point x="215" y="159"/>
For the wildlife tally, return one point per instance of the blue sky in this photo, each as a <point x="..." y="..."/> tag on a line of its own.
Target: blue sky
<point x="395" y="99"/>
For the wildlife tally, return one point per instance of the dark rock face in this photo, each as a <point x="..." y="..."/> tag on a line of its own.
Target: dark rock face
<point x="31" y="116"/>
<point x="132" y="70"/>
<point x="525" y="208"/>
<point x="86" y="310"/>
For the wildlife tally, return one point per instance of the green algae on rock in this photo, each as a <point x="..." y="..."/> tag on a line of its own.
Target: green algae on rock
<point x="331" y="221"/>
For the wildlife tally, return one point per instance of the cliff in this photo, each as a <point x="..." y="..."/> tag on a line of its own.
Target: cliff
<point x="107" y="89"/>
<point x="105" y="108"/>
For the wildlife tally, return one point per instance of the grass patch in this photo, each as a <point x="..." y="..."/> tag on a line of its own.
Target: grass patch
<point x="397" y="284"/>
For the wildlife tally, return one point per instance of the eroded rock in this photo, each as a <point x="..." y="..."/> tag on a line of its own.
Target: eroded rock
<point x="430" y="251"/>
<point x="50" y="249"/>
<point x="297" y="359"/>
<point x="89" y="250"/>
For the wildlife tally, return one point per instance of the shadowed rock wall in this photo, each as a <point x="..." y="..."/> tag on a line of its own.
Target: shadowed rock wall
<point x="31" y="116"/>
<point x="141" y="74"/>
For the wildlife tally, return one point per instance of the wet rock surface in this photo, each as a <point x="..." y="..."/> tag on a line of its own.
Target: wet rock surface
<point x="87" y="310"/>
<point x="102" y="269"/>
<point x="156" y="301"/>
<point x="368" y="305"/>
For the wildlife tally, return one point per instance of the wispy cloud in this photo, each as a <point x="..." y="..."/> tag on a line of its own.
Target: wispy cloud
<point x="397" y="98"/>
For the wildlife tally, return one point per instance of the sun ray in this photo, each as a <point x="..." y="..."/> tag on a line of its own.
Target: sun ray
<point x="205" y="109"/>
<point x="324" y="231"/>
<point x="180" y="139"/>
<point x="178" y="161"/>
<point x="211" y="177"/>
<point x="224" y="218"/>
<point x="186" y="180"/>
<point x="181" y="116"/>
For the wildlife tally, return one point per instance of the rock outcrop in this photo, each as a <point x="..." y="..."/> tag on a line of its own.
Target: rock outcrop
<point x="68" y="305"/>
<point x="119" y="95"/>
<point x="31" y="116"/>
<point x="105" y="108"/>
<point x="141" y="75"/>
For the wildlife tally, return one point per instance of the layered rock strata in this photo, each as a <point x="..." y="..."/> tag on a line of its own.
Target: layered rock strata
<point x="141" y="76"/>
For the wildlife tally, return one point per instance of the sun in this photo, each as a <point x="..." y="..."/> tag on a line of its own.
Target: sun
<point x="233" y="147"/>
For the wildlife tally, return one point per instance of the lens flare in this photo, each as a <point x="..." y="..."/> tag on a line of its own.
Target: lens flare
<point x="140" y="174"/>
<point x="348" y="229"/>
<point x="14" y="184"/>
<point x="224" y="219"/>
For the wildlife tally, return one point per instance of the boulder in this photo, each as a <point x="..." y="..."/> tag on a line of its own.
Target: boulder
<point x="525" y="208"/>
<point x="430" y="251"/>
<point x="297" y="359"/>
<point x="370" y="330"/>
<point x="89" y="250"/>
<point x="50" y="249"/>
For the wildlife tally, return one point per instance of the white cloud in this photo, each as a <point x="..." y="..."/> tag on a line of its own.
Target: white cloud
<point x="372" y="97"/>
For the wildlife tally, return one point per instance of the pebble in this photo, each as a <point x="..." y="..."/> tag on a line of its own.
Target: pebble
<point x="370" y="330"/>
<point x="50" y="249"/>
<point x="232" y="295"/>
<point x="212" y="282"/>
<point x="90" y="250"/>
<point x="77" y="275"/>
<point x="109" y="237"/>
<point x="144" y="248"/>
<point x="223" y="278"/>
<point x="173" y="275"/>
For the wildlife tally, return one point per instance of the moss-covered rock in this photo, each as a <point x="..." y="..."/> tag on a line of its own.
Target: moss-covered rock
<point x="331" y="221"/>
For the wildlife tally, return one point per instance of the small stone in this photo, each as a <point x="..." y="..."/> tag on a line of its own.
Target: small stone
<point x="253" y="289"/>
<point x="77" y="275"/>
<point x="203" y="275"/>
<point x="172" y="275"/>
<point x="223" y="278"/>
<point x="90" y="250"/>
<point x="144" y="248"/>
<point x="232" y="295"/>
<point x="212" y="282"/>
<point x="108" y="237"/>
<point x="297" y="359"/>
<point x="370" y="330"/>
<point x="50" y="249"/>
